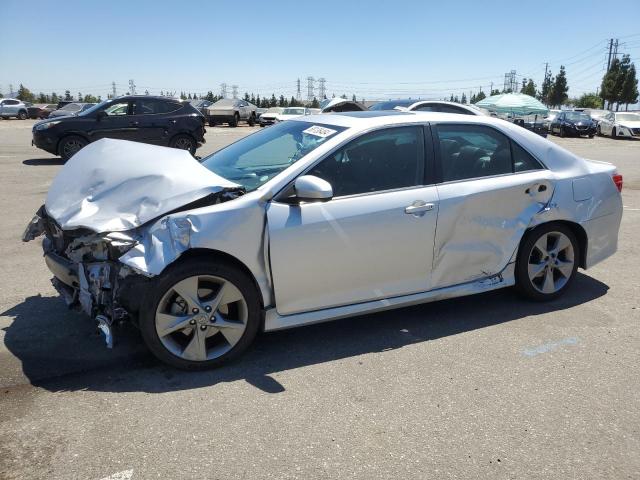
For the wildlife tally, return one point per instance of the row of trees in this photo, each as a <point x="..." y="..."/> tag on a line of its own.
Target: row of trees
<point x="27" y="95"/>
<point x="620" y="84"/>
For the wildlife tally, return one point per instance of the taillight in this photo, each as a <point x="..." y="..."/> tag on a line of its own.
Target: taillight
<point x="617" y="179"/>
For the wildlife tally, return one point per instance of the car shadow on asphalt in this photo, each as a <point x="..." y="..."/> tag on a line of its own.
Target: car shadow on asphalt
<point x="39" y="162"/>
<point x="62" y="351"/>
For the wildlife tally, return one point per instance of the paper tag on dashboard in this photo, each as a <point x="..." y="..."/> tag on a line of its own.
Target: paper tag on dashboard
<point x="318" y="131"/>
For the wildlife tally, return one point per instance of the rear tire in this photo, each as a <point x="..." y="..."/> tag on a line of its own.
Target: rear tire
<point x="234" y="121"/>
<point x="212" y="122"/>
<point x="547" y="262"/>
<point x="219" y="345"/>
<point x="252" y="120"/>
<point x="184" y="142"/>
<point x="613" y="133"/>
<point x="562" y="133"/>
<point x="22" y="115"/>
<point x="70" y="145"/>
<point x="598" y="131"/>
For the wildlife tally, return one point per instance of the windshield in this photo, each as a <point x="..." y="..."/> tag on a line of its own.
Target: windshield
<point x="391" y="104"/>
<point x="258" y="158"/>
<point x="627" y="117"/>
<point x="274" y="109"/>
<point x="293" y="111"/>
<point x="577" y="117"/>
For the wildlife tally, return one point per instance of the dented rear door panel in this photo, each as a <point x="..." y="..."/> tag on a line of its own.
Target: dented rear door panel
<point x="481" y="222"/>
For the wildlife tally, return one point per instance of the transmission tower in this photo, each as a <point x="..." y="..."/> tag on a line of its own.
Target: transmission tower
<point x="223" y="90"/>
<point x="510" y="82"/>
<point x="298" y="94"/>
<point x="234" y="91"/>
<point x="321" y="88"/>
<point x="310" y="81"/>
<point x="132" y="87"/>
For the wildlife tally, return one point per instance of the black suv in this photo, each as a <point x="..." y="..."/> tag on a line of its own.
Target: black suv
<point x="147" y="119"/>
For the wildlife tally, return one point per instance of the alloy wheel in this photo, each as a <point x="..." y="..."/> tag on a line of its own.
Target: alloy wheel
<point x="184" y="143"/>
<point x="71" y="147"/>
<point x="551" y="262"/>
<point x="201" y="317"/>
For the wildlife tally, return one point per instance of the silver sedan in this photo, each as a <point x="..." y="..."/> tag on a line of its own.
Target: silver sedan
<point x="319" y="218"/>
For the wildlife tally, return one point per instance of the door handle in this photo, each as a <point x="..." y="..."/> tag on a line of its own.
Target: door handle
<point x="537" y="188"/>
<point x="419" y="206"/>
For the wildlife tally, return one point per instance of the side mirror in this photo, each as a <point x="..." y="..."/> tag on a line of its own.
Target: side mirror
<point x="310" y="188"/>
<point x="100" y="115"/>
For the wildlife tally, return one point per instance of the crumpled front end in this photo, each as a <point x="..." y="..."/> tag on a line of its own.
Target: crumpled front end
<point x="87" y="273"/>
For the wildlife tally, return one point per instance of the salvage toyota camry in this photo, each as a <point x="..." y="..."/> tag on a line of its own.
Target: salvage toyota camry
<point x="316" y="219"/>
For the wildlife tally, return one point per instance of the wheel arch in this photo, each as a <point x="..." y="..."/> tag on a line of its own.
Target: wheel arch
<point x="576" y="229"/>
<point x="211" y="254"/>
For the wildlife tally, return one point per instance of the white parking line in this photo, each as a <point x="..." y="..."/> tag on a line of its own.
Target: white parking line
<point x="124" y="475"/>
<point x="547" y="347"/>
<point x="629" y="208"/>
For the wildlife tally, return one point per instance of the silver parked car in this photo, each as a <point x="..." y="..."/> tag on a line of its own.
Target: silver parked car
<point x="619" y="125"/>
<point x="319" y="218"/>
<point x="429" y="106"/>
<point x="231" y="111"/>
<point x="11" y="107"/>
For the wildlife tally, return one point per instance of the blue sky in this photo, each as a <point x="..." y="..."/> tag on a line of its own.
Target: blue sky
<point x="375" y="49"/>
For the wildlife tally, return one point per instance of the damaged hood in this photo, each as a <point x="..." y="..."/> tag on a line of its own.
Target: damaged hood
<point x="117" y="185"/>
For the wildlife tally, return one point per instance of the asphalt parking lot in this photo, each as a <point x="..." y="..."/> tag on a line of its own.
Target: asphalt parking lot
<point x="489" y="386"/>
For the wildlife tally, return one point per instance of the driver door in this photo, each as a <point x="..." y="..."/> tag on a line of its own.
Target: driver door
<point x="119" y="123"/>
<point x="372" y="240"/>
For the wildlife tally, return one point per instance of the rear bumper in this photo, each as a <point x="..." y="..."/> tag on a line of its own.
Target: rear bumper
<point x="602" y="237"/>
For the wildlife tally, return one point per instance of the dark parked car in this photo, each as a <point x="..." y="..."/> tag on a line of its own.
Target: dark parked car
<point x="147" y="119"/>
<point x="70" y="109"/>
<point x="41" y="110"/>
<point x="573" y="123"/>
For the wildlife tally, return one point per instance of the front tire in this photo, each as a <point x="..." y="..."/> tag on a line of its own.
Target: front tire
<point x="234" y="121"/>
<point x="547" y="262"/>
<point x="613" y="133"/>
<point x="562" y="132"/>
<point x="252" y="120"/>
<point x="200" y="314"/>
<point x="71" y="145"/>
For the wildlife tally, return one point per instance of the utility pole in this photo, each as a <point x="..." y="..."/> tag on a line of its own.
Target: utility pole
<point x="223" y="90"/>
<point x="491" y="91"/>
<point x="234" y="91"/>
<point x="298" y="94"/>
<point x="609" y="59"/>
<point x="132" y="87"/>
<point x="113" y="89"/>
<point x="321" y="88"/>
<point x="10" y="89"/>
<point x="310" y="81"/>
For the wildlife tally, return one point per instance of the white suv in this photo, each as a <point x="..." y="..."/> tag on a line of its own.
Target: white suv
<point x="10" y="107"/>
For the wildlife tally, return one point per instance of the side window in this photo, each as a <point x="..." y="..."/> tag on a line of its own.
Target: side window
<point x="117" y="109"/>
<point x="150" y="106"/>
<point x="523" y="160"/>
<point x="471" y="151"/>
<point x="377" y="161"/>
<point x="426" y="108"/>
<point x="453" y="109"/>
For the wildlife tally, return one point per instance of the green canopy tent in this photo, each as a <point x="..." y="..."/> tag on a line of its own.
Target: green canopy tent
<point x="515" y="103"/>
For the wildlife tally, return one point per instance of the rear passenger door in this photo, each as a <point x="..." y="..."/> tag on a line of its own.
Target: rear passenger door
<point x="489" y="188"/>
<point x="157" y="120"/>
